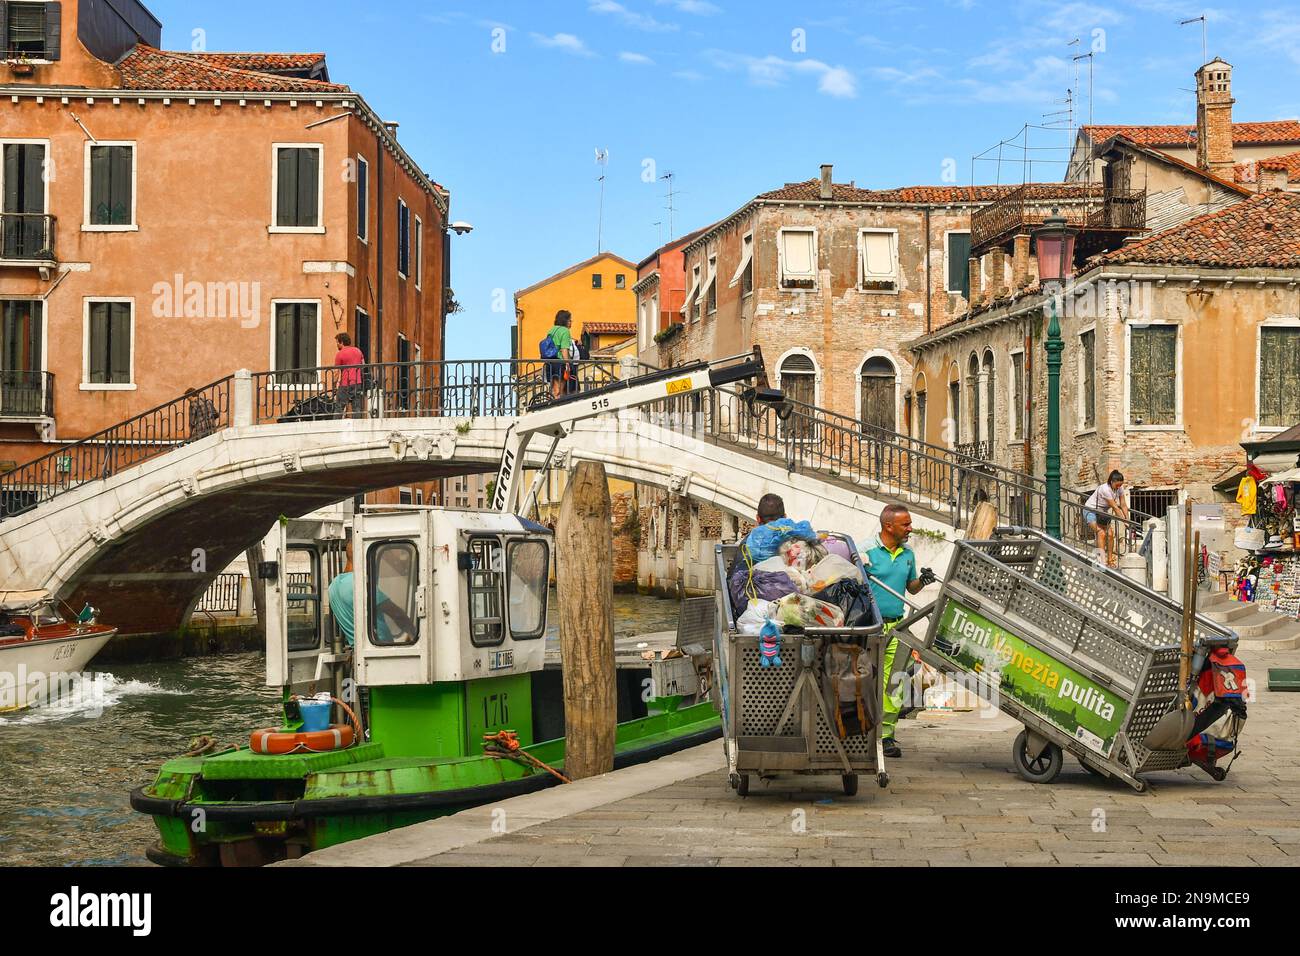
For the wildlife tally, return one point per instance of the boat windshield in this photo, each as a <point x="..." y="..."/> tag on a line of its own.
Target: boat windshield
<point x="46" y="614"/>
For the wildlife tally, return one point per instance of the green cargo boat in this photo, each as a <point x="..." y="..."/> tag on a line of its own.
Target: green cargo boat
<point x="450" y="622"/>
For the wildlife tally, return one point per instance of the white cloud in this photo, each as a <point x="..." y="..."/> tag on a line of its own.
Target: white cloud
<point x="697" y="7"/>
<point x="769" y="70"/>
<point x="631" y="18"/>
<point x="691" y="76"/>
<point x="563" y="41"/>
<point x="639" y="58"/>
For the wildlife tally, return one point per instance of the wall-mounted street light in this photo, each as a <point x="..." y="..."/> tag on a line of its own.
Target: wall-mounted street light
<point x="1054" y="249"/>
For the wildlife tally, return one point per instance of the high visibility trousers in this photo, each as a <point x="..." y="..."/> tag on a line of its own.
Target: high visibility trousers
<point x="893" y="696"/>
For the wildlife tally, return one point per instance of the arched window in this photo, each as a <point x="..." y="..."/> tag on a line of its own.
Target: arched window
<point x="877" y="393"/>
<point x="954" y="402"/>
<point x="973" y="401"/>
<point x="989" y="404"/>
<point x="798" y="380"/>
<point x="918" y="393"/>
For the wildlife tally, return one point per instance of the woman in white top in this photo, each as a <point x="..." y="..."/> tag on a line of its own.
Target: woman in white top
<point x="1106" y="501"/>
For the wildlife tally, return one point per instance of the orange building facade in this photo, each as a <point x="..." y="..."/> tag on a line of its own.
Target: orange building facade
<point x="171" y="217"/>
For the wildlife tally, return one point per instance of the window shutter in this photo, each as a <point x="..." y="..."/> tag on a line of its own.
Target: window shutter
<point x="284" y="317"/>
<point x="4" y="28"/>
<point x="53" y="25"/>
<point x="286" y="191"/>
<point x="120" y="159"/>
<point x="1164" y="373"/>
<point x="97" y="364"/>
<point x="308" y="187"/>
<point x="119" y="343"/>
<point x="1279" y="377"/>
<point x="363" y="187"/>
<point x="101" y="176"/>
<point x="1139" y="377"/>
<point x="958" y="257"/>
<point x="306" y="353"/>
<point x="13" y="180"/>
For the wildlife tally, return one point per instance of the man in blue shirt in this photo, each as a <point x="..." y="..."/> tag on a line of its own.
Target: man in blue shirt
<point x="891" y="563"/>
<point x="341" y="591"/>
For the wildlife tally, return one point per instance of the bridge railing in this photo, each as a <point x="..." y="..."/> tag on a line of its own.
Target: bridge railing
<point x="194" y="415"/>
<point x="813" y="440"/>
<point x="455" y="389"/>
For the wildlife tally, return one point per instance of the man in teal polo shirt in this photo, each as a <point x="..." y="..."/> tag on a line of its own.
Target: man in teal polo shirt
<point x="892" y="563"/>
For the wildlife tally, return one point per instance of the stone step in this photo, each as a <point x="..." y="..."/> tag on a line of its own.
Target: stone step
<point x="1230" y="611"/>
<point x="1284" y="638"/>
<point x="1214" y="599"/>
<point x="1266" y="624"/>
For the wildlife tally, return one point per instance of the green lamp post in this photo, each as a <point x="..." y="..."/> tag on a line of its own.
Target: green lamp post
<point x="1054" y="249"/>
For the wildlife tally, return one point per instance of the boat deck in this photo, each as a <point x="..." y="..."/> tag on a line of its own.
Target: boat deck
<point x="627" y="650"/>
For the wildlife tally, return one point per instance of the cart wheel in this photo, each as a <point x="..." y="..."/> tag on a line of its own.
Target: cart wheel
<point x="733" y="780"/>
<point x="1040" y="769"/>
<point x="742" y="784"/>
<point x="1141" y="786"/>
<point x="882" y="779"/>
<point x="850" y="784"/>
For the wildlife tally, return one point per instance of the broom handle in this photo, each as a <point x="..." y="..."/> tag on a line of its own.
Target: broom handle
<point x="1189" y="597"/>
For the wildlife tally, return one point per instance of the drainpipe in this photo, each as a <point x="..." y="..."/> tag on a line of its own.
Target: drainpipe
<point x="927" y="270"/>
<point x="379" y="250"/>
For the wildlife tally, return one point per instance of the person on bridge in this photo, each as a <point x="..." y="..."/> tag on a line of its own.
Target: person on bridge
<point x="891" y="566"/>
<point x="1106" y="501"/>
<point x="559" y="369"/>
<point x="351" y="392"/>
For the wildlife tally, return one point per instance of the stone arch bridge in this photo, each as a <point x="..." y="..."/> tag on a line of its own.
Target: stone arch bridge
<point x="120" y="518"/>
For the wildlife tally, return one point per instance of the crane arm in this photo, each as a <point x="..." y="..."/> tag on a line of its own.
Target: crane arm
<point x="555" y="419"/>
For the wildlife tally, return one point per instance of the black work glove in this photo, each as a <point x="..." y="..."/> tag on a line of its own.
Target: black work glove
<point x="927" y="577"/>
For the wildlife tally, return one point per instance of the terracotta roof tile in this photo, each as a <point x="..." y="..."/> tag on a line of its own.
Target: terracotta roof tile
<point x="1243" y="134"/>
<point x="810" y="191"/>
<point x="1260" y="232"/>
<point x="263" y="62"/>
<point x="147" y="68"/>
<point x="609" y="328"/>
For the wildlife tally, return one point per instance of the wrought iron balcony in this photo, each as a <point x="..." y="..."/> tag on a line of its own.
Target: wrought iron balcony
<point x="27" y="237"/>
<point x="26" y="395"/>
<point x="1087" y="207"/>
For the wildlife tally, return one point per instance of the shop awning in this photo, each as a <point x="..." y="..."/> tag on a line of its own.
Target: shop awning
<point x="1291" y="474"/>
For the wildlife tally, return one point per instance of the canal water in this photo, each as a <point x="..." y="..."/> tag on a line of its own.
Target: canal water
<point x="66" y="771"/>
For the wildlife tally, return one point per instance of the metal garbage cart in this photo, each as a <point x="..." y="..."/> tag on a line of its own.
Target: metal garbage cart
<point x="1084" y="657"/>
<point x="776" y="719"/>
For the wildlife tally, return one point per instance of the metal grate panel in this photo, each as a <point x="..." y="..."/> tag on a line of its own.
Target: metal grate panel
<point x="764" y="692"/>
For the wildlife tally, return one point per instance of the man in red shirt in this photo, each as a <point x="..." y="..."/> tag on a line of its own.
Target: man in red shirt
<point x="351" y="391"/>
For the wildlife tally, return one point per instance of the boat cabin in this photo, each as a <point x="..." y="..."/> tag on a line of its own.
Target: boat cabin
<point x="447" y="619"/>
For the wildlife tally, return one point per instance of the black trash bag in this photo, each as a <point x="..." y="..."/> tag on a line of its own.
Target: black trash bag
<point x="853" y="598"/>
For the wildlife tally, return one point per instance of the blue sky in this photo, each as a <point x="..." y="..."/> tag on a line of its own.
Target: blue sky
<point x="505" y="103"/>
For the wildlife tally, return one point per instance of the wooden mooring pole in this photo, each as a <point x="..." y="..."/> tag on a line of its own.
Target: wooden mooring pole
<point x="585" y="590"/>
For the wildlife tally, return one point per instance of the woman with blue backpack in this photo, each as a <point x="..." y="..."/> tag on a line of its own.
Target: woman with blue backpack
<point x="556" y="350"/>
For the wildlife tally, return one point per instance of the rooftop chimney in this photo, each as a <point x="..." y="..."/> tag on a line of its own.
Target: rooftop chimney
<point x="392" y="128"/>
<point x="1214" y="118"/>
<point x="826" y="191"/>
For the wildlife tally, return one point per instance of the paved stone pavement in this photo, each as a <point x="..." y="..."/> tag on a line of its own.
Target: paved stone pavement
<point x="953" y="799"/>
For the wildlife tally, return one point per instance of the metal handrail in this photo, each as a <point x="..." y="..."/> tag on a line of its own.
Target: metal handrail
<point x="26" y="235"/>
<point x="192" y="416"/>
<point x="26" y="394"/>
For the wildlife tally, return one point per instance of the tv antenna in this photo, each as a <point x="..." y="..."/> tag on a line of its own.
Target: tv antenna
<point x="1204" y="23"/>
<point x="602" y="160"/>
<point x="669" y="177"/>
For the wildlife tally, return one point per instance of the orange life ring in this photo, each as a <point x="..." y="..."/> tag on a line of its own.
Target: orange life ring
<point x="272" y="741"/>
